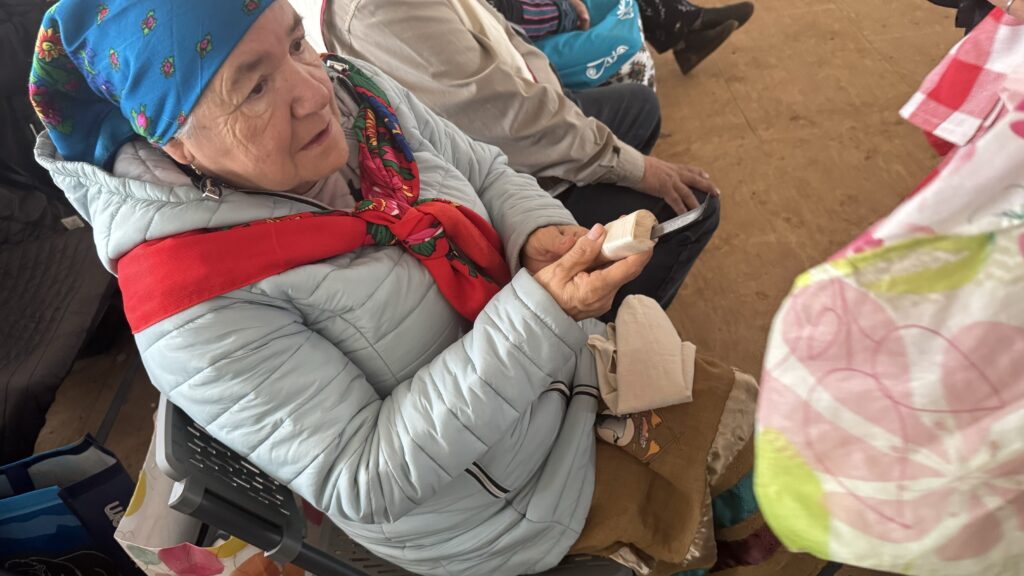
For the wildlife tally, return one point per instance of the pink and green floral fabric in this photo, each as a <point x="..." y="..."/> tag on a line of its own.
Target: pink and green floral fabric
<point x="890" y="428"/>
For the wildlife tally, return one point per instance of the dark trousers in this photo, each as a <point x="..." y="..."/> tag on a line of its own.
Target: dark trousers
<point x="632" y="112"/>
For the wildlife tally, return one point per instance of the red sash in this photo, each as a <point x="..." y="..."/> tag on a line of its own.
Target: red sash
<point x="163" y="277"/>
<point x="459" y="248"/>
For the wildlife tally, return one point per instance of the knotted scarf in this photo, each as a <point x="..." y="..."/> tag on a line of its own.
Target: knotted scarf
<point x="106" y="70"/>
<point x="459" y="248"/>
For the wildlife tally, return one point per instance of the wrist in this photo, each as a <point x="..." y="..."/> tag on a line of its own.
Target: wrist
<point x="630" y="166"/>
<point x="526" y="244"/>
<point x="643" y="176"/>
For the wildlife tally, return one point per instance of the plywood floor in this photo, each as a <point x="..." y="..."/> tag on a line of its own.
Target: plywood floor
<point x="796" y="120"/>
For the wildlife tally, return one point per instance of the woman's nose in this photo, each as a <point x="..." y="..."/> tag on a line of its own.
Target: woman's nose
<point x="311" y="95"/>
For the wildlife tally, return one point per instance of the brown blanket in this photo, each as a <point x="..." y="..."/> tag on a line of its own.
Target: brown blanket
<point x="657" y="473"/>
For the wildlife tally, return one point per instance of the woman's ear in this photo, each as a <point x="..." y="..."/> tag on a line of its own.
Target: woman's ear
<point x="178" y="150"/>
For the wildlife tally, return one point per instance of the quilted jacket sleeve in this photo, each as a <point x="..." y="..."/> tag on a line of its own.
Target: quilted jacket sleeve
<point x="248" y="368"/>
<point x="515" y="202"/>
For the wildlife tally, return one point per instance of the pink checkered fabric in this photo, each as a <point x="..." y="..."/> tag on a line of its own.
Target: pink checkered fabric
<point x="961" y="96"/>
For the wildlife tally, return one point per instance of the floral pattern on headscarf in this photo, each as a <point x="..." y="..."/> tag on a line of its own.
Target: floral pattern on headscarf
<point x="106" y="72"/>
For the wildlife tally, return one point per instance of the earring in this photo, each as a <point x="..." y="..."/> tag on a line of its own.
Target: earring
<point x="207" y="185"/>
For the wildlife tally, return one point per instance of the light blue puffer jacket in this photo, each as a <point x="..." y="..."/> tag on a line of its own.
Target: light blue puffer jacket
<point x="445" y="447"/>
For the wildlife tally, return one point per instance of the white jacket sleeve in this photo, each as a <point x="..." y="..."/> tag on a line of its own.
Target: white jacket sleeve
<point x="248" y="369"/>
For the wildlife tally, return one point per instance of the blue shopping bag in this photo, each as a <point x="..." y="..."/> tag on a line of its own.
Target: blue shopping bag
<point x="58" y="512"/>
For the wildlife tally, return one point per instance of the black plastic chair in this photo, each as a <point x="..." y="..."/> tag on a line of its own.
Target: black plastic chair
<point x="220" y="488"/>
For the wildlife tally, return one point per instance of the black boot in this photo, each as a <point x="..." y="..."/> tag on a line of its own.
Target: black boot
<point x="712" y="18"/>
<point x="700" y="45"/>
<point x="667" y="22"/>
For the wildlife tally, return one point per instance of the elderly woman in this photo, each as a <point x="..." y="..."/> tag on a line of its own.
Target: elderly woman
<point x="364" y="302"/>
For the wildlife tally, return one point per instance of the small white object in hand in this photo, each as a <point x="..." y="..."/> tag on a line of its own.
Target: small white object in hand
<point x="629" y="235"/>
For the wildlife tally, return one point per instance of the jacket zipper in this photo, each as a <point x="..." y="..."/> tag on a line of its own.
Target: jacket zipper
<point x="287" y="196"/>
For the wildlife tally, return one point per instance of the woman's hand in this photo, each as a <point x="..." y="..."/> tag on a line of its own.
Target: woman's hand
<point x="583" y="294"/>
<point x="548" y="244"/>
<point x="674" y="183"/>
<point x="582" y="14"/>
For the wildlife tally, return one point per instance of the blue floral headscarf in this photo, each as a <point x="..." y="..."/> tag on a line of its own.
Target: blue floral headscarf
<point x="106" y="70"/>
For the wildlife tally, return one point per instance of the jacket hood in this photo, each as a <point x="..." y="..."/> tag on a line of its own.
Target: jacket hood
<point x="155" y="200"/>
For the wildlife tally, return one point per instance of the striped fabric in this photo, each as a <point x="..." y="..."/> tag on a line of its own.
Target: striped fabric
<point x="540" y="18"/>
<point x="486" y="481"/>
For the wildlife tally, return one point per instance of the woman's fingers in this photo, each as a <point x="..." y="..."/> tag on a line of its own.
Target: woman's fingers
<point x="607" y="281"/>
<point x="588" y="295"/>
<point x="546" y="245"/>
<point x="582" y="255"/>
<point x="573" y="232"/>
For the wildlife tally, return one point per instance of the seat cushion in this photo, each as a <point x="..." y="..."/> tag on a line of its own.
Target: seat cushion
<point x="52" y="291"/>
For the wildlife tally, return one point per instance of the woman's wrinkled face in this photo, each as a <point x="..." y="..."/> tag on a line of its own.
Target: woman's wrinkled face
<point x="268" y="119"/>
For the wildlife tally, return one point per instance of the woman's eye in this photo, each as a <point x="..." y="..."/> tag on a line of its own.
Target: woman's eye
<point x="258" y="89"/>
<point x="297" y="46"/>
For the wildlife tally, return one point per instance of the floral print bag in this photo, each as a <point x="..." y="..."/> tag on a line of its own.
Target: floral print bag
<point x="161" y="540"/>
<point x="891" y="421"/>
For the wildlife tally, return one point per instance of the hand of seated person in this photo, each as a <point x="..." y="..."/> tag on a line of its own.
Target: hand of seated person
<point x="674" y="183"/>
<point x="548" y="244"/>
<point x="582" y="14"/>
<point x="583" y="294"/>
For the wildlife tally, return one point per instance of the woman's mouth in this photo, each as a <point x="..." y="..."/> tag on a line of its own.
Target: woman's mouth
<point x="320" y="138"/>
